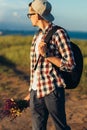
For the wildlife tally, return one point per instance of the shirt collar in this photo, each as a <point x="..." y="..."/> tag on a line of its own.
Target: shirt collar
<point x="47" y="28"/>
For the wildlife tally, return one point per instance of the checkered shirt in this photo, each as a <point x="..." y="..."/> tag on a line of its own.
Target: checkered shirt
<point x="47" y="76"/>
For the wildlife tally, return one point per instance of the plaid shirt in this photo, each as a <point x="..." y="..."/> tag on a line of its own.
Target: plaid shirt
<point x="47" y="76"/>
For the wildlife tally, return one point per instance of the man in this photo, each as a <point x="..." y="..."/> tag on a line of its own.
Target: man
<point x="47" y="94"/>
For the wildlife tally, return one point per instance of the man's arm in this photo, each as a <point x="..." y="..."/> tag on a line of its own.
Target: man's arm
<point x="54" y="60"/>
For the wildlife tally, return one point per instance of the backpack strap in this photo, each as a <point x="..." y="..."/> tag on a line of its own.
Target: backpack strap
<point x="47" y="38"/>
<point x="50" y="33"/>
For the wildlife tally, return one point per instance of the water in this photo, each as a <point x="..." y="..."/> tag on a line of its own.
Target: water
<point x="72" y="34"/>
<point x="78" y="35"/>
<point x="17" y="32"/>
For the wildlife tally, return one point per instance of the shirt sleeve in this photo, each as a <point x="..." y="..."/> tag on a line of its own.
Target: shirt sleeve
<point x="67" y="57"/>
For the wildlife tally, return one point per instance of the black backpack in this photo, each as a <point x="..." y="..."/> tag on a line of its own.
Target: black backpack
<point x="71" y="79"/>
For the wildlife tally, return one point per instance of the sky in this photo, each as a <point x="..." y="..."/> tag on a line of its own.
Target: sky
<point x="70" y="14"/>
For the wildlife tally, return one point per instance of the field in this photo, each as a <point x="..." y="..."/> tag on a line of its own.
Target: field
<point x="14" y="83"/>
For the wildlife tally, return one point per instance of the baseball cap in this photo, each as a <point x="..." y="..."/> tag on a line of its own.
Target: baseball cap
<point x="43" y="8"/>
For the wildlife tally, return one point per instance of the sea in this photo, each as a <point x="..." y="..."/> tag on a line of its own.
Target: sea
<point x="72" y="34"/>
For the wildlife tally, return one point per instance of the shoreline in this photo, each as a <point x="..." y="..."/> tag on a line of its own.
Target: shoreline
<point x="72" y="34"/>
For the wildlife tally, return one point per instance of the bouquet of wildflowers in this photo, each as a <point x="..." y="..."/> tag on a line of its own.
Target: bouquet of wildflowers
<point x="13" y="108"/>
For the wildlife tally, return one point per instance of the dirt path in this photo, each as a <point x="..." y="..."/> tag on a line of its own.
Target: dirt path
<point x="76" y="108"/>
<point x="14" y="85"/>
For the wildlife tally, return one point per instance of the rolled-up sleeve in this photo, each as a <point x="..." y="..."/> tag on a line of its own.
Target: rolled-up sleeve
<point x="67" y="57"/>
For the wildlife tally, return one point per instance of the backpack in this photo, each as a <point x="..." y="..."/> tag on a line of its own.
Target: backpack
<point x="72" y="78"/>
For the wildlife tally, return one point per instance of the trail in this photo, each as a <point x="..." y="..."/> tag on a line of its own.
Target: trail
<point x="15" y="86"/>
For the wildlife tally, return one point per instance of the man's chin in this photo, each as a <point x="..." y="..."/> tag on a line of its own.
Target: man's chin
<point x="34" y="26"/>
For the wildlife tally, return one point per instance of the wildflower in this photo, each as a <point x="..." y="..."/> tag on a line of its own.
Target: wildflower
<point x="13" y="108"/>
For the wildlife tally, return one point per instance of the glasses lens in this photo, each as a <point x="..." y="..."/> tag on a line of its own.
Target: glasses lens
<point x="29" y="15"/>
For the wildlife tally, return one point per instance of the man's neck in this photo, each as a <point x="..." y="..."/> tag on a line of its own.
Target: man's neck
<point x="43" y="25"/>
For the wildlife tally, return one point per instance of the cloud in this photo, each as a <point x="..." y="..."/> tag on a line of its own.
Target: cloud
<point x="15" y="14"/>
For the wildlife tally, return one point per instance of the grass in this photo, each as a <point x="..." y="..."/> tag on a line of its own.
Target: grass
<point x="14" y="65"/>
<point x="16" y="49"/>
<point x="15" y="52"/>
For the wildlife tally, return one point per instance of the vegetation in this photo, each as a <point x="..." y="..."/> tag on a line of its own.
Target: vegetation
<point x="14" y="66"/>
<point x="14" y="53"/>
<point x="16" y="49"/>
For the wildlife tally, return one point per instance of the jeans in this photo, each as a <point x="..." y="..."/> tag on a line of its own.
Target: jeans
<point x="53" y="104"/>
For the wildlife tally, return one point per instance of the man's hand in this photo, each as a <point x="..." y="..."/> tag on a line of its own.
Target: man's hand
<point x="42" y="48"/>
<point x="27" y="97"/>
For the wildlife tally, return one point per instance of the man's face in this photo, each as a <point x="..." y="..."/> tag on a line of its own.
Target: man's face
<point x="33" y="16"/>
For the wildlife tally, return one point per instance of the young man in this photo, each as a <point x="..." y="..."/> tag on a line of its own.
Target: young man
<point x="47" y="94"/>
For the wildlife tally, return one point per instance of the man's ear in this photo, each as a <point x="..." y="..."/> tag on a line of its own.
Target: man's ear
<point x="39" y="17"/>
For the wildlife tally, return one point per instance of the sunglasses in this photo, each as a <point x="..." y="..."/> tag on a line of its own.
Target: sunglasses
<point x="29" y="15"/>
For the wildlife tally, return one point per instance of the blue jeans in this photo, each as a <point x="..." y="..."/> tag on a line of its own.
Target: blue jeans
<point x="53" y="104"/>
